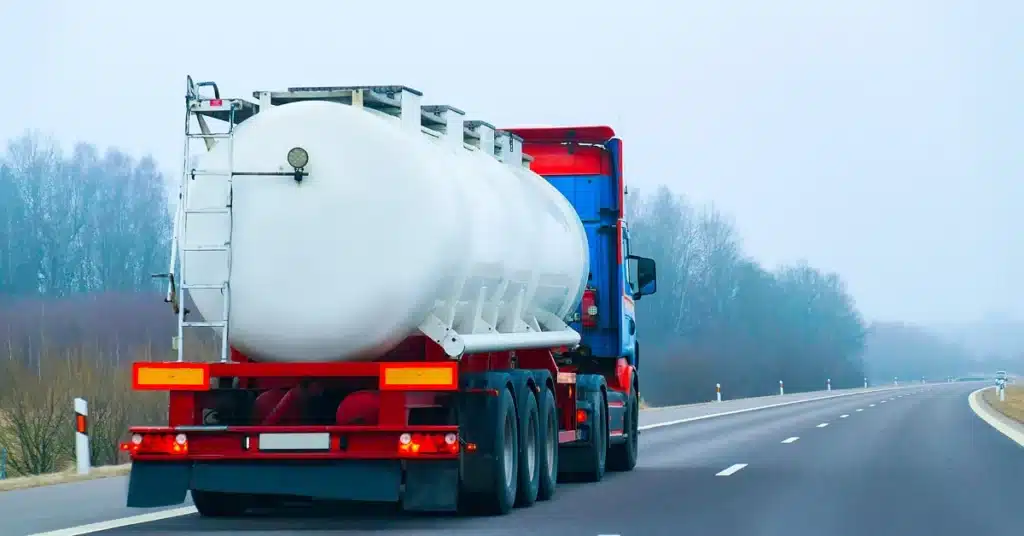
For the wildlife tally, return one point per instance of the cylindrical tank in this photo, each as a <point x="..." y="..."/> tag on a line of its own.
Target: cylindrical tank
<point x="388" y="227"/>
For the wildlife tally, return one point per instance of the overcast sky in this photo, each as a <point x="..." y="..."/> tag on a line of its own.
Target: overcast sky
<point x="881" y="139"/>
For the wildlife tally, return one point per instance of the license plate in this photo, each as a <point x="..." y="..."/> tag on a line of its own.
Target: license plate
<point x="297" y="441"/>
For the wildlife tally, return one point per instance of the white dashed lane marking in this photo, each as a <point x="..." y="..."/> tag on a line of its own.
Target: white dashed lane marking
<point x="843" y="416"/>
<point x="822" y="425"/>
<point x="731" y="470"/>
<point x="790" y="439"/>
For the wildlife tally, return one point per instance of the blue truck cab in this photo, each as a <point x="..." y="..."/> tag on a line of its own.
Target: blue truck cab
<point x="585" y="165"/>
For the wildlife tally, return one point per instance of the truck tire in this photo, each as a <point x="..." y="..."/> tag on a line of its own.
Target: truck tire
<point x="623" y="456"/>
<point x="529" y="450"/>
<point x="499" y="499"/>
<point x="548" y="451"/>
<point x="596" y="452"/>
<point x="218" y="504"/>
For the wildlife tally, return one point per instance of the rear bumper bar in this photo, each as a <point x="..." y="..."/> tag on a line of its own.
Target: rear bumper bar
<point x="429" y="485"/>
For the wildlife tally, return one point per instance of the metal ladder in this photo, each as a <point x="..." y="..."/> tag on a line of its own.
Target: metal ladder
<point x="195" y="104"/>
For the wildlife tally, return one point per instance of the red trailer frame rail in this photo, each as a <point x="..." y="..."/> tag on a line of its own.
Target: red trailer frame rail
<point x="186" y="376"/>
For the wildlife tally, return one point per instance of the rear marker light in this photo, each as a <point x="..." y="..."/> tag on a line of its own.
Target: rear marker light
<point x="588" y="308"/>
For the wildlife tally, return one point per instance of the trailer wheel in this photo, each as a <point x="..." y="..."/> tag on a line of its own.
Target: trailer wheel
<point x="623" y="456"/>
<point x="529" y="450"/>
<point x="548" y="451"/>
<point x="499" y="499"/>
<point x="218" y="504"/>
<point x="597" y="449"/>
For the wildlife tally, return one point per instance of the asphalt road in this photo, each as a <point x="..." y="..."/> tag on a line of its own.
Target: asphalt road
<point x="915" y="460"/>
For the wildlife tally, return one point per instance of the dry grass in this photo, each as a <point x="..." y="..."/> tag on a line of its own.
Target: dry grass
<point x="63" y="477"/>
<point x="37" y="424"/>
<point x="1013" y="407"/>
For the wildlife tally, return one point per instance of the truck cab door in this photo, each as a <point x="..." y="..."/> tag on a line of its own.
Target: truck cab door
<point x="628" y="326"/>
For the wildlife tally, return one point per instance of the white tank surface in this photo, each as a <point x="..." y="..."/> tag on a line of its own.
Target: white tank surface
<point x="391" y="229"/>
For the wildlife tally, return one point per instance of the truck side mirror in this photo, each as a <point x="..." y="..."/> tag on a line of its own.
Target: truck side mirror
<point x="646" y="276"/>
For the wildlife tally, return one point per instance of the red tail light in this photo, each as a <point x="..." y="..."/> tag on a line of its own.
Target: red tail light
<point x="416" y="444"/>
<point x="157" y="444"/>
<point x="588" y="308"/>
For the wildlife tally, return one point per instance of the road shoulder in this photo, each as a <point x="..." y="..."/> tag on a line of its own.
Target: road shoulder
<point x="1002" y="423"/>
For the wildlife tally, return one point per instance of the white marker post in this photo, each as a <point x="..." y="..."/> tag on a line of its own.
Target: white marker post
<point x="828" y="384"/>
<point x="896" y="380"/>
<point x="781" y="390"/>
<point x="718" y="392"/>
<point x="865" y="383"/>
<point x="82" y="435"/>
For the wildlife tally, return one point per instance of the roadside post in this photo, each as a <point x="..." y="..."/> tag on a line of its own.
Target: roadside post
<point x="82" y="436"/>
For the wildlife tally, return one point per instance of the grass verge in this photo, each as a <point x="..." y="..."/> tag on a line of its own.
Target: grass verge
<point x="1012" y="407"/>
<point x="69" y="475"/>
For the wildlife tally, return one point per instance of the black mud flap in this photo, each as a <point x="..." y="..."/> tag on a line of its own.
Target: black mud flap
<point x="154" y="484"/>
<point x="476" y="420"/>
<point x="431" y="486"/>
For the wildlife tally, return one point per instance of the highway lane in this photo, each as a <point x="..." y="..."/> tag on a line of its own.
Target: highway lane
<point x="675" y="489"/>
<point x="82" y="503"/>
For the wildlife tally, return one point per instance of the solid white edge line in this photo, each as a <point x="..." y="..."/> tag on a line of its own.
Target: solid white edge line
<point x="994" y="419"/>
<point x="789" y="440"/>
<point x="731" y="470"/>
<point x="756" y="408"/>
<point x="122" y="522"/>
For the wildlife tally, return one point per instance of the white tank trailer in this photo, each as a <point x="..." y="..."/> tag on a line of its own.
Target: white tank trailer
<point x="405" y="219"/>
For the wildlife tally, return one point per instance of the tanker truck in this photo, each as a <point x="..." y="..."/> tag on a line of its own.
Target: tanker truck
<point x="412" y="307"/>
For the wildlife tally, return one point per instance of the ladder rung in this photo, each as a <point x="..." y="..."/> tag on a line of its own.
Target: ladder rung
<point x="210" y="136"/>
<point x="223" y="247"/>
<point x="218" y="324"/>
<point x="203" y="286"/>
<point x="210" y="173"/>
<point x="211" y="210"/>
